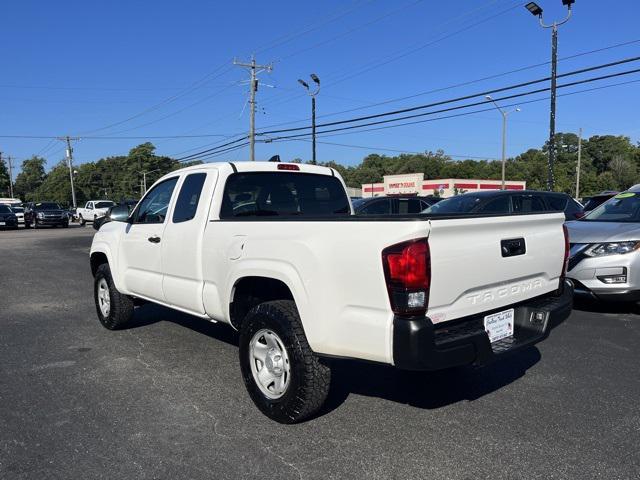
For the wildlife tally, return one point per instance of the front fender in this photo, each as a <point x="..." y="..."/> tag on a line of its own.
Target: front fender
<point x="99" y="246"/>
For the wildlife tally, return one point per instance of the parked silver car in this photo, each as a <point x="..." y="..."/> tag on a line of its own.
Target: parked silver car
<point x="604" y="260"/>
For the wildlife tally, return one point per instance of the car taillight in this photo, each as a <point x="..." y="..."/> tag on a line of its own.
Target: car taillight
<point x="567" y="247"/>
<point x="407" y="271"/>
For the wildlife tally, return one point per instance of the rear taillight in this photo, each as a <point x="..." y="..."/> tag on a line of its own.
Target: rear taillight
<point x="407" y="271"/>
<point x="566" y="252"/>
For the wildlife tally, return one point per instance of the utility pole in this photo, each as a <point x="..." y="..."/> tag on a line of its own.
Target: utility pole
<point x="578" y="166"/>
<point x="254" y="69"/>
<point x="68" y="141"/>
<point x="535" y="10"/>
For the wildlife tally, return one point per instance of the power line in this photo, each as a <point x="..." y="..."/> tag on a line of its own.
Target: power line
<point x="509" y="97"/>
<point x="457" y="99"/>
<point x="464" y="84"/>
<point x="194" y="86"/>
<point x="458" y="107"/>
<point x="401" y="54"/>
<point x="440" y="89"/>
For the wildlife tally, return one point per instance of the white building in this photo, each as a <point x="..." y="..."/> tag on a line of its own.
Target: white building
<point x="415" y="184"/>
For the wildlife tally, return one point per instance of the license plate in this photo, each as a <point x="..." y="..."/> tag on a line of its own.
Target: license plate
<point x="499" y="325"/>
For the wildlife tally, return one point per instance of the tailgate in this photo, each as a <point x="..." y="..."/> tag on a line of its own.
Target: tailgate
<point x="472" y="273"/>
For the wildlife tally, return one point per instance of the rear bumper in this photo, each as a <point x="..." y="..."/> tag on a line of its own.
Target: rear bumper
<point x="418" y="344"/>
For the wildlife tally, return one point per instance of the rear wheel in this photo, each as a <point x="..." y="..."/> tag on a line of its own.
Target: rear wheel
<point x="283" y="376"/>
<point x="114" y="309"/>
<point x="82" y="222"/>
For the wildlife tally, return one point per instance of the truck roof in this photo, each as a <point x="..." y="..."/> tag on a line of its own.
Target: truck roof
<point x="246" y="166"/>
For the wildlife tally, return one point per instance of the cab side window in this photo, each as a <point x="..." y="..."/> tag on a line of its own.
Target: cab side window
<point x="153" y="208"/>
<point x="189" y="197"/>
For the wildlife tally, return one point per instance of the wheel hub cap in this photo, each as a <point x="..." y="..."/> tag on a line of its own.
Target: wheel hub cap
<point x="269" y="362"/>
<point x="104" y="299"/>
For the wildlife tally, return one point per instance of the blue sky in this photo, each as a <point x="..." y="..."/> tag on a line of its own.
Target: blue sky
<point x="77" y="67"/>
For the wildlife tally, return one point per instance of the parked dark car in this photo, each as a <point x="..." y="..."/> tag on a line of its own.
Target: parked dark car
<point x="8" y="219"/>
<point x="595" y="201"/>
<point x="130" y="204"/>
<point x="393" y="205"/>
<point x="38" y="214"/>
<point x="509" y="201"/>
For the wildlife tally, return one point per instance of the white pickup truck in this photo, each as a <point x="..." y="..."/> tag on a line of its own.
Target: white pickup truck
<point x="274" y="250"/>
<point x="92" y="210"/>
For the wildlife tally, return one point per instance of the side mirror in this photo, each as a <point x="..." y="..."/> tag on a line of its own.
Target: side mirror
<point x="119" y="213"/>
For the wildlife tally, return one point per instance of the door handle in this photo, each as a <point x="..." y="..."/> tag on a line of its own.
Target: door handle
<point x="154" y="239"/>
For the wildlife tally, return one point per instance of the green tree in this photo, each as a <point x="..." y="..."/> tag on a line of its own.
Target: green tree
<point x="30" y="178"/>
<point x="56" y="185"/>
<point x="4" y="179"/>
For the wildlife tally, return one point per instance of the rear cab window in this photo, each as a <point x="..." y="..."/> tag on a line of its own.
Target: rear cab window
<point x="528" y="203"/>
<point x="283" y="194"/>
<point x="189" y="197"/>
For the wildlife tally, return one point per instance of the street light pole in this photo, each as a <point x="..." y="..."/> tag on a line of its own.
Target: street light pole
<point x="313" y="94"/>
<point x="578" y="166"/>
<point x="505" y="114"/>
<point x="535" y="9"/>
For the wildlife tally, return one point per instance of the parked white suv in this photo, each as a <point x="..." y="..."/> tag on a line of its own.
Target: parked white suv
<point x="273" y="250"/>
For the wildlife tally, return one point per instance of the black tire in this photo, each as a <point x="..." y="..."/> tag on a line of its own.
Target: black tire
<point x="121" y="306"/>
<point x="309" y="378"/>
<point x="82" y="222"/>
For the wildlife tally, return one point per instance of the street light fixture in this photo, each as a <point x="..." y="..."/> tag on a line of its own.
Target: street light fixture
<point x="504" y="134"/>
<point x="535" y="10"/>
<point x="313" y="94"/>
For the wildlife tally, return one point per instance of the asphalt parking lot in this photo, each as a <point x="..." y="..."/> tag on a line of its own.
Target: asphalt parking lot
<point x="165" y="399"/>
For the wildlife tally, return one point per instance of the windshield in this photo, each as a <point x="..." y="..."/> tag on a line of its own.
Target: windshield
<point x="105" y="204"/>
<point x="47" y="206"/>
<point x="459" y="204"/>
<point x="624" y="207"/>
<point x="4" y="209"/>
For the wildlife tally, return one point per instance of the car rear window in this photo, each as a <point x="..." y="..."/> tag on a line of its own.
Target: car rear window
<point x="265" y="194"/>
<point x="557" y="202"/>
<point x="527" y="204"/>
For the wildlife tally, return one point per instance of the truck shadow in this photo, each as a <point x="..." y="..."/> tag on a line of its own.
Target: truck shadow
<point x="427" y="390"/>
<point x="150" y="313"/>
